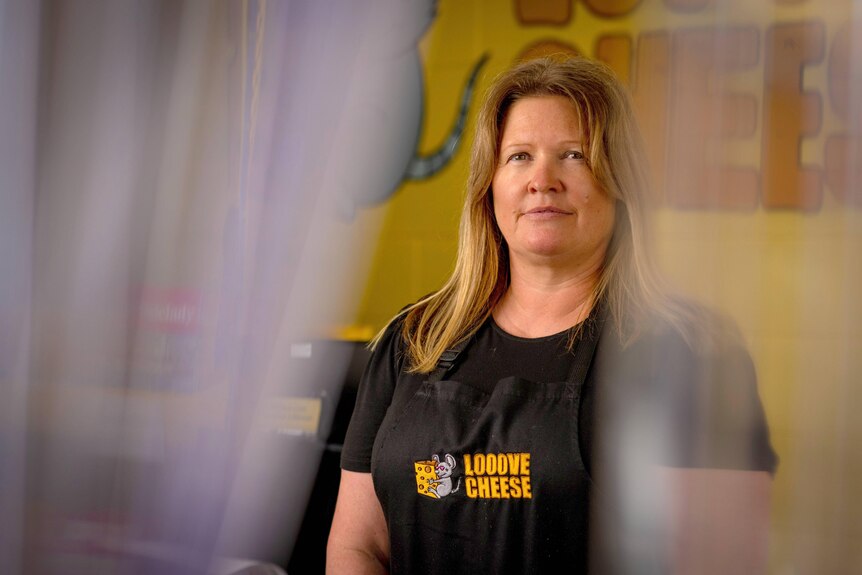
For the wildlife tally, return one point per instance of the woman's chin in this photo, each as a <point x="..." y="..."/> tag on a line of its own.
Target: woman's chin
<point x="544" y="250"/>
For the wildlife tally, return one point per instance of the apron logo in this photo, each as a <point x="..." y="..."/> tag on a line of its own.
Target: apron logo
<point x="486" y="476"/>
<point x="498" y="476"/>
<point x="434" y="477"/>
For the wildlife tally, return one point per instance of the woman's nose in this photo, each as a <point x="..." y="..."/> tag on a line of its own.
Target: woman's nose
<point x="545" y="176"/>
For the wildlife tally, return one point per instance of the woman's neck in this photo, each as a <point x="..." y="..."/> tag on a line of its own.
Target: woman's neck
<point x="545" y="301"/>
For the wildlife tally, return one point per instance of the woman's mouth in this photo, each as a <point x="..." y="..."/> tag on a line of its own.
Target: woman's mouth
<point x="546" y="212"/>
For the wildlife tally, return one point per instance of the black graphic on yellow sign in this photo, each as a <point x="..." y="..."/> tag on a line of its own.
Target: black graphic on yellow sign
<point x="497" y="476"/>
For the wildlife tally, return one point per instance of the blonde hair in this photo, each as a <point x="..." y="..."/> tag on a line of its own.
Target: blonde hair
<point x="628" y="284"/>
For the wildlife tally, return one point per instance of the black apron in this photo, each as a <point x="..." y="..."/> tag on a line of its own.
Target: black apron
<point x="472" y="482"/>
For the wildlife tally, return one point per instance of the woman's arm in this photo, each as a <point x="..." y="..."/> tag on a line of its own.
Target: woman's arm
<point x="718" y="520"/>
<point x="358" y="540"/>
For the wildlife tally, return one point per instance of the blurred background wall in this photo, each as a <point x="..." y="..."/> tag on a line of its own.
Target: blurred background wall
<point x="199" y="200"/>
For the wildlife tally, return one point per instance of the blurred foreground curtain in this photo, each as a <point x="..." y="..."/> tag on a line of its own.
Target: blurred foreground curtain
<point x="169" y="236"/>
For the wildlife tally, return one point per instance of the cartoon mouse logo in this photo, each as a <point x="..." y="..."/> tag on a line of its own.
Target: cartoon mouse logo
<point x="442" y="486"/>
<point x="434" y="478"/>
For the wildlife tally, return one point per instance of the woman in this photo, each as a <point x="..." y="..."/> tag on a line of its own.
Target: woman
<point x="475" y="446"/>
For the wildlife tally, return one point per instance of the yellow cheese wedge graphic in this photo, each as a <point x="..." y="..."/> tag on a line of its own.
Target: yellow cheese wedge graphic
<point x="425" y="470"/>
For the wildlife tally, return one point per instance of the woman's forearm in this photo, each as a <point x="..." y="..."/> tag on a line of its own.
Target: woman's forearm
<point x="358" y="540"/>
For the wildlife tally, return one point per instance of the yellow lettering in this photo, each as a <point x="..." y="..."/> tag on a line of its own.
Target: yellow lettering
<point x="513" y="461"/>
<point x="543" y="12"/>
<point x="502" y="464"/>
<point x="495" y="487"/>
<point x="470" y="485"/>
<point x="479" y="463"/>
<point x="615" y="50"/>
<point x="651" y="96"/>
<point x="790" y="114"/>
<point x="515" y="486"/>
<point x="491" y="464"/>
<point x="483" y="486"/>
<point x="497" y="475"/>
<point x="504" y="487"/>
<point x="705" y="116"/>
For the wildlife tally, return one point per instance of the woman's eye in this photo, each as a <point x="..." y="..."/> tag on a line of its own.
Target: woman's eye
<point x="575" y="154"/>
<point x="519" y="157"/>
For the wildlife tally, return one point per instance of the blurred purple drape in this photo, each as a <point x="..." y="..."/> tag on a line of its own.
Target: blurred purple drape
<point x="170" y="229"/>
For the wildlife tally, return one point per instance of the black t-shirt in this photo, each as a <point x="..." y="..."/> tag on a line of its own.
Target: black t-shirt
<point x="657" y="401"/>
<point x="701" y="409"/>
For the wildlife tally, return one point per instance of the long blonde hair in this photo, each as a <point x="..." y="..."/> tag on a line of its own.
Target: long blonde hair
<point x="628" y="283"/>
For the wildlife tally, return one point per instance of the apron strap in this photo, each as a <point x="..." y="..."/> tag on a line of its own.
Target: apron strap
<point x="447" y="361"/>
<point x="585" y="347"/>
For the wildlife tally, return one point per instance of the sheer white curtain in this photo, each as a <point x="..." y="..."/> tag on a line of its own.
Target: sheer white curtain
<point x="19" y="22"/>
<point x="169" y="231"/>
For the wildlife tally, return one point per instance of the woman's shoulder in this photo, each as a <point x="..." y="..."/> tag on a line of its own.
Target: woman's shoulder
<point x="394" y="339"/>
<point x="390" y="343"/>
<point x="684" y="335"/>
<point x="692" y="376"/>
<point x="686" y="323"/>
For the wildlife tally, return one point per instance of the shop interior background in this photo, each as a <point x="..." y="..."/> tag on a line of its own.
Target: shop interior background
<point x="206" y="207"/>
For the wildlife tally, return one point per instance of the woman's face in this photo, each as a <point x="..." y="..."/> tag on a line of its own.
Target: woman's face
<point x="548" y="206"/>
